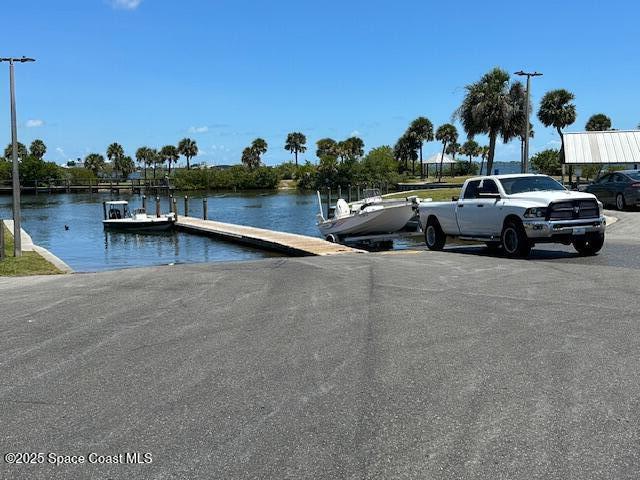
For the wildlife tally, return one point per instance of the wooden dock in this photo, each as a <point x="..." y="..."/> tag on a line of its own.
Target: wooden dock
<point x="289" y="243"/>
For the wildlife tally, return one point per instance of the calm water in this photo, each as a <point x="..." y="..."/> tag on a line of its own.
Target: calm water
<point x="87" y="247"/>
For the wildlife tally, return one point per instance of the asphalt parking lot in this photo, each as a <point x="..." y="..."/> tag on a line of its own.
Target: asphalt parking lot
<point x="419" y="364"/>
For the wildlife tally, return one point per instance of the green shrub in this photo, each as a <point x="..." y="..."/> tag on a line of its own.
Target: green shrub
<point x="547" y="162"/>
<point x="236" y="177"/>
<point x="5" y="170"/>
<point x="33" y="168"/>
<point x="79" y="175"/>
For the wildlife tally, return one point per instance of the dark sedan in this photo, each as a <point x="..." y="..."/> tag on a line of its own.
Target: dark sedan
<point x="621" y="189"/>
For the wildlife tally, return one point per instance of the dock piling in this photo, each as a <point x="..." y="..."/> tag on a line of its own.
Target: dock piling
<point x="144" y="202"/>
<point x="174" y="207"/>
<point x="157" y="207"/>
<point x="204" y="208"/>
<point x="186" y="206"/>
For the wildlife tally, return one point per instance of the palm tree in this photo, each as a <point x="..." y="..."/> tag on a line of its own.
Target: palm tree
<point x="453" y="149"/>
<point x="492" y="106"/>
<point x="446" y="133"/>
<point x="557" y="110"/>
<point x="38" y="148"/>
<point x="124" y="165"/>
<point x="353" y="148"/>
<point x="484" y="153"/>
<point x="114" y="151"/>
<point x="188" y="148"/>
<point x="94" y="162"/>
<point x="471" y="149"/>
<point x="326" y="147"/>
<point x="250" y="158"/>
<point x="251" y="155"/>
<point x="169" y="154"/>
<point x="153" y="158"/>
<point x="141" y="156"/>
<point x="598" y="123"/>
<point x="259" y="146"/>
<point x="22" y="151"/>
<point x="422" y="130"/>
<point x="404" y="150"/>
<point x="295" y="144"/>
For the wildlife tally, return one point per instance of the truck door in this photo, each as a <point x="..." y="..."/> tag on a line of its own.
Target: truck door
<point x="467" y="210"/>
<point x="489" y="210"/>
<point x="479" y="216"/>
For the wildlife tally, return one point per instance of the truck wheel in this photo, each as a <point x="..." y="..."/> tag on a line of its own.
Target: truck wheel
<point x="620" y="203"/>
<point x="434" y="237"/>
<point x="589" y="245"/>
<point x="514" y="240"/>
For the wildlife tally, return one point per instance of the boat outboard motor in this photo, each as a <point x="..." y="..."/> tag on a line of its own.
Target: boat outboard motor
<point x="342" y="209"/>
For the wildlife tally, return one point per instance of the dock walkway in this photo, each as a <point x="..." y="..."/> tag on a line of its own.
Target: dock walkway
<point x="289" y="243"/>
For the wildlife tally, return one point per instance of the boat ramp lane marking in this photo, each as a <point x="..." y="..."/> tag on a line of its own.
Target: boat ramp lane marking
<point x="274" y="240"/>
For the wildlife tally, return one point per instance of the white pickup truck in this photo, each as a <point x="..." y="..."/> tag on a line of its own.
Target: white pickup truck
<point x="514" y="212"/>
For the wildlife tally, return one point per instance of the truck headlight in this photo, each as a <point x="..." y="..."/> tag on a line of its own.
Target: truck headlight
<point x="536" y="212"/>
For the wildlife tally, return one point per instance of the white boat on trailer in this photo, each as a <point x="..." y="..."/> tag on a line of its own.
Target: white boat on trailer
<point x="117" y="217"/>
<point x="369" y="217"/>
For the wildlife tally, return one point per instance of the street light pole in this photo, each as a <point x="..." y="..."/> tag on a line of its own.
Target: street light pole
<point x="17" y="240"/>
<point x="525" y="160"/>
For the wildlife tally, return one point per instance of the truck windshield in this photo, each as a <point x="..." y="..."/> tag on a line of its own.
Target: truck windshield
<point x="529" y="184"/>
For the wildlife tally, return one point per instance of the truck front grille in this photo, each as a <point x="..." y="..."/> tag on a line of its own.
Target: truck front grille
<point x="574" y="209"/>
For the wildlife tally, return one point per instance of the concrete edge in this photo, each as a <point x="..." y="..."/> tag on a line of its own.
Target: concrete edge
<point x="51" y="258"/>
<point x="610" y="220"/>
<point x="27" y="242"/>
<point x="29" y="246"/>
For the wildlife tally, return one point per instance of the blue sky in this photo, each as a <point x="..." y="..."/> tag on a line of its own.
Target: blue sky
<point x="150" y="72"/>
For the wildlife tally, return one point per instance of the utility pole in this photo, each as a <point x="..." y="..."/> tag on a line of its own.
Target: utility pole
<point x="525" y="160"/>
<point x="17" y="240"/>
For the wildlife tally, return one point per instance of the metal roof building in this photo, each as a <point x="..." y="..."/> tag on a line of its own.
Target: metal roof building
<point x="437" y="157"/>
<point x="612" y="146"/>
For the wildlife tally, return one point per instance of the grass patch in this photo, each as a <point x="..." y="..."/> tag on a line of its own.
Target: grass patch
<point x="436" y="194"/>
<point x="30" y="263"/>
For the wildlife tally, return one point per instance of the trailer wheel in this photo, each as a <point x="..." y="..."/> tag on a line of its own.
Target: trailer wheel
<point x="434" y="237"/>
<point x="331" y="238"/>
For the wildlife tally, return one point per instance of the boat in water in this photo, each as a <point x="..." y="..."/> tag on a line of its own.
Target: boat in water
<point x="370" y="216"/>
<point x="118" y="217"/>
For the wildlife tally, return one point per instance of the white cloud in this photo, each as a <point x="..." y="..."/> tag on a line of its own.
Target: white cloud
<point x="61" y="152"/>
<point x="355" y="133"/>
<point x="34" y="122"/>
<point x="202" y="129"/>
<point x="125" y="4"/>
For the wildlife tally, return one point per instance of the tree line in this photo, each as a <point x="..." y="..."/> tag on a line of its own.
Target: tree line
<point x="146" y="156"/>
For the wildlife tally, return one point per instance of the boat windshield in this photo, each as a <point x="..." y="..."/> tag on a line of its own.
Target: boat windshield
<point x="371" y="193"/>
<point x="542" y="183"/>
